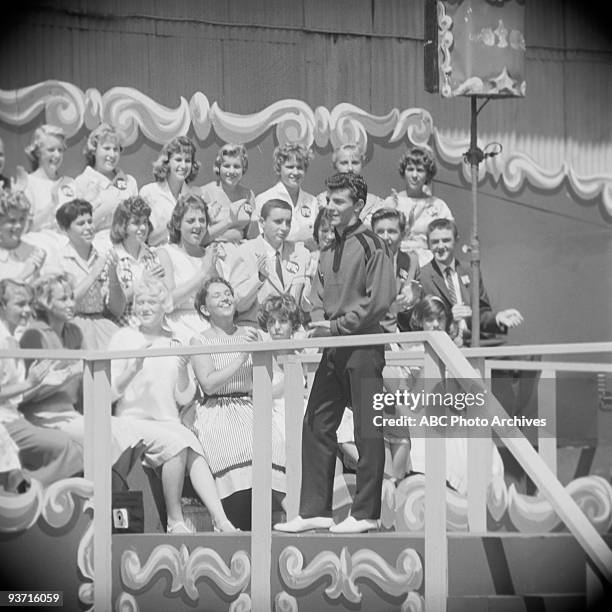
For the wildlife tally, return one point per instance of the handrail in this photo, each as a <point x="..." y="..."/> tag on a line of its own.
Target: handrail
<point x="577" y="348"/>
<point x="310" y="343"/>
<point x="557" y="366"/>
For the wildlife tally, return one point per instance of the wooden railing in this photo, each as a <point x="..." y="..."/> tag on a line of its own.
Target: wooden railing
<point x="439" y="358"/>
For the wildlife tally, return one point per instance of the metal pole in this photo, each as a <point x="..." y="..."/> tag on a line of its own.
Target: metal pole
<point x="474" y="156"/>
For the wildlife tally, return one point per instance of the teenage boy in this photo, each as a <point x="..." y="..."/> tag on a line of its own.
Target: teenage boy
<point x="268" y="265"/>
<point x="353" y="289"/>
<point x="389" y="224"/>
<point x="450" y="279"/>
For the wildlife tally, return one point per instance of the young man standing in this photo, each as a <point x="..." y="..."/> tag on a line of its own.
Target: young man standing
<point x="353" y="289"/>
<point x="389" y="224"/>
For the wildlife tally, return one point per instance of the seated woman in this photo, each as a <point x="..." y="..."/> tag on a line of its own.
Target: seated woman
<point x="418" y="167"/>
<point x="279" y="318"/>
<point x="291" y="162"/>
<point x="187" y="264"/>
<point x="350" y="157"/>
<point x="223" y="421"/>
<point x="53" y="403"/>
<point x="103" y="184"/>
<point x="147" y="393"/>
<point x="130" y="229"/>
<point x="97" y="291"/>
<point x="431" y="314"/>
<point x="46" y="455"/>
<point x="230" y="204"/>
<point x="45" y="188"/>
<point x="18" y="260"/>
<point x="173" y="170"/>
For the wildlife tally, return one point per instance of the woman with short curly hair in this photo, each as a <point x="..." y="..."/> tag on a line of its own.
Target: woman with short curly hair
<point x="102" y="182"/>
<point x="174" y="170"/>
<point x="135" y="259"/>
<point x="417" y="167"/>
<point x="18" y="260"/>
<point x="230" y="204"/>
<point x="291" y="161"/>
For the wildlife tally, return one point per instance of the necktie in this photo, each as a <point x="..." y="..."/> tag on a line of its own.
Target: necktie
<point x="279" y="269"/>
<point x="448" y="277"/>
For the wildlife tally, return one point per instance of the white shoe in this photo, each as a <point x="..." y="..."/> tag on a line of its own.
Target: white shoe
<point x="179" y="527"/>
<point x="353" y="525"/>
<point x="299" y="524"/>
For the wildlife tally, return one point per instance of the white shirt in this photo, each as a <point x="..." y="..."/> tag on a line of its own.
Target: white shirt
<point x="12" y="371"/>
<point x="304" y="212"/>
<point x="152" y="393"/>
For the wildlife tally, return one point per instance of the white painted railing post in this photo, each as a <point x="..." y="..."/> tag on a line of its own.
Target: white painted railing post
<point x="261" y="511"/>
<point x="547" y="409"/>
<point x="478" y="462"/>
<point x="97" y="411"/>
<point x="294" y="417"/>
<point x="436" y="545"/>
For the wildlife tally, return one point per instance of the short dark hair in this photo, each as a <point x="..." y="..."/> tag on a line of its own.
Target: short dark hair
<point x="355" y="183"/>
<point x="202" y="294"/>
<point x="429" y="306"/>
<point x="439" y="224"/>
<point x="279" y="306"/>
<point x="270" y="205"/>
<point x="389" y="213"/>
<point x="183" y="204"/>
<point x="70" y="211"/>
<point x="419" y="157"/>
<point x="133" y="207"/>
<point x="318" y="222"/>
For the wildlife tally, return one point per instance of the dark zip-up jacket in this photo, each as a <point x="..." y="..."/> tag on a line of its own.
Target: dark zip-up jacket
<point x="355" y="284"/>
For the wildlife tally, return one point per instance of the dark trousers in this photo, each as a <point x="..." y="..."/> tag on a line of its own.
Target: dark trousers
<point x="345" y="377"/>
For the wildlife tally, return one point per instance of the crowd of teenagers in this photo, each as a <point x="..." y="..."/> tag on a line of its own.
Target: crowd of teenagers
<point x="96" y="262"/>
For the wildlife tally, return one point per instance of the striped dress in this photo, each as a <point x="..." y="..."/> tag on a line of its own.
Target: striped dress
<point x="223" y="424"/>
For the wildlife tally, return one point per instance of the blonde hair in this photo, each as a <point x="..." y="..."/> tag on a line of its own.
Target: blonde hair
<point x="43" y="290"/>
<point x="45" y="130"/>
<point x="103" y="133"/>
<point x="349" y="147"/>
<point x="156" y="289"/>
<point x="232" y="150"/>
<point x="292" y="150"/>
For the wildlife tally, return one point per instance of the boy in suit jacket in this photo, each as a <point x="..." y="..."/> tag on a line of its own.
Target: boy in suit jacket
<point x="450" y="278"/>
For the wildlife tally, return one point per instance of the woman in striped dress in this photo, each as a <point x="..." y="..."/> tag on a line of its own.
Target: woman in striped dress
<point x="223" y="420"/>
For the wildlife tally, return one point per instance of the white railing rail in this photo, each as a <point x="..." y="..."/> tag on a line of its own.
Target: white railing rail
<point x="439" y="357"/>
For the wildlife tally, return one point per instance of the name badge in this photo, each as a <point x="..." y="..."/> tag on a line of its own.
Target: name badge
<point x="306" y="212"/>
<point x="465" y="279"/>
<point x="214" y="209"/>
<point x="292" y="267"/>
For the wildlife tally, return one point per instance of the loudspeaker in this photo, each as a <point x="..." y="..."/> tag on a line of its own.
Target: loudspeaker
<point x="475" y="48"/>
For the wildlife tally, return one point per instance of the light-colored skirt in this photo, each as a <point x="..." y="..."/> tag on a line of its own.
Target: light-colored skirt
<point x="162" y="439"/>
<point x="224" y="426"/>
